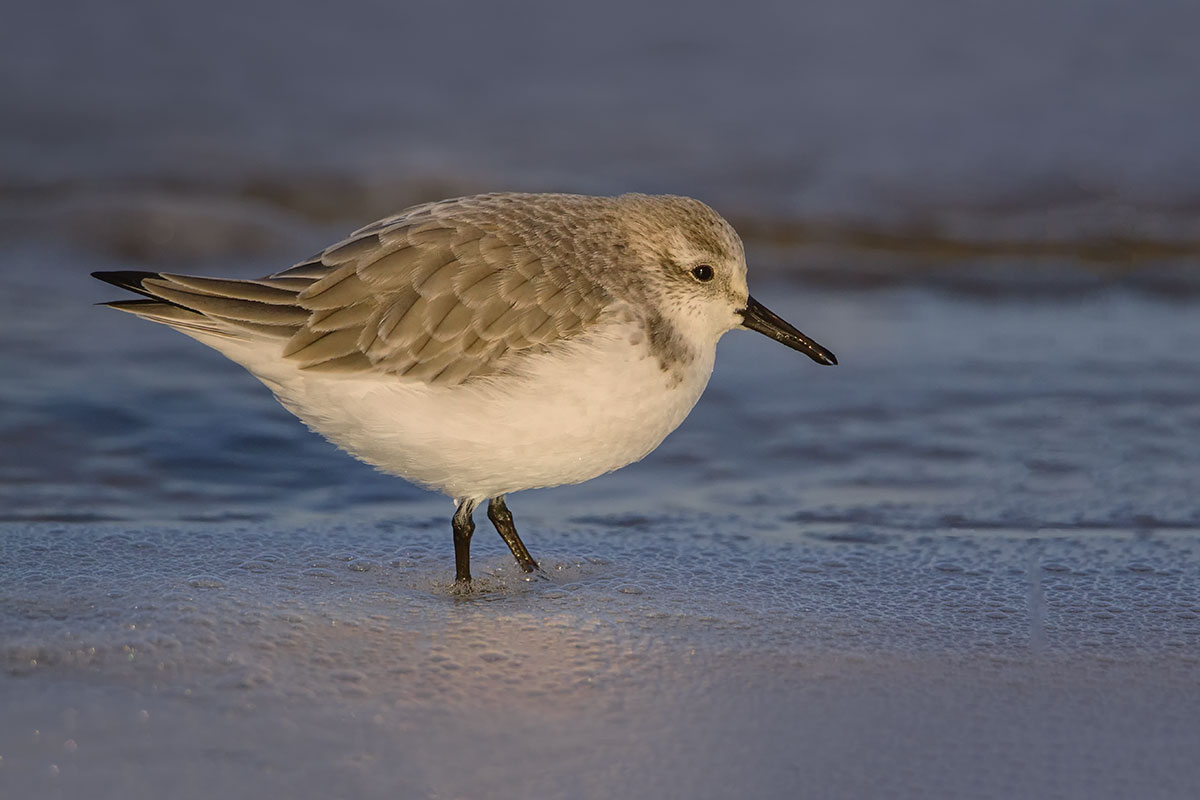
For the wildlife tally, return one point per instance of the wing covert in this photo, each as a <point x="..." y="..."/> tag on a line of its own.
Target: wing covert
<point x="435" y="297"/>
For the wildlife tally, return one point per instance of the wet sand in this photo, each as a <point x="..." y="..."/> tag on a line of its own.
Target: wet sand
<point x="680" y="662"/>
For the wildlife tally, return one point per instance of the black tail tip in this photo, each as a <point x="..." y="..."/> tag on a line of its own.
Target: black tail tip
<point x="127" y="279"/>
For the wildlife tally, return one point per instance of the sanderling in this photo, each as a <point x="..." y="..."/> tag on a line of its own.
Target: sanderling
<point x="488" y="344"/>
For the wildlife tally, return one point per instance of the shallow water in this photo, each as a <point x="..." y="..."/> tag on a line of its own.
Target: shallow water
<point x="963" y="563"/>
<point x="685" y="662"/>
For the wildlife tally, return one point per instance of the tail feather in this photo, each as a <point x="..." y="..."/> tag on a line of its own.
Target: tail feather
<point x="257" y="291"/>
<point x="170" y="314"/>
<point x="128" y="279"/>
<point x="211" y="305"/>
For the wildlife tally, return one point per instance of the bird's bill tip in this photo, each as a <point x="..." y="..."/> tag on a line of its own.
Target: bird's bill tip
<point x="757" y="317"/>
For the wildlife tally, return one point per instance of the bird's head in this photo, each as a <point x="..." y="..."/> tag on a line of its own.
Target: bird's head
<point x="694" y="265"/>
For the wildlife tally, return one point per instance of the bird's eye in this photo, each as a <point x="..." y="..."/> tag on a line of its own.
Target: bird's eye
<point x="703" y="273"/>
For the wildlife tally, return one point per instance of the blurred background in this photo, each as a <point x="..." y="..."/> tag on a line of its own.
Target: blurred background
<point x="962" y="563"/>
<point x="897" y="134"/>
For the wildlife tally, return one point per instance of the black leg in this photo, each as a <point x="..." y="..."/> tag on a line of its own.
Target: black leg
<point x="464" y="526"/>
<point x="502" y="518"/>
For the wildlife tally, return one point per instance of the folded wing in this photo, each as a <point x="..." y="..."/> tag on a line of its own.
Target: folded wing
<point x="429" y="295"/>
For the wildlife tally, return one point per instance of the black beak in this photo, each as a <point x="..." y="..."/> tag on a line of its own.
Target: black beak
<point x="758" y="317"/>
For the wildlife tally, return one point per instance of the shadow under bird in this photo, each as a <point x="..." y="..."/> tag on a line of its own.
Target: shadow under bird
<point x="488" y="344"/>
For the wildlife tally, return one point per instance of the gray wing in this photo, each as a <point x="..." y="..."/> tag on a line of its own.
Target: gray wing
<point x="430" y="295"/>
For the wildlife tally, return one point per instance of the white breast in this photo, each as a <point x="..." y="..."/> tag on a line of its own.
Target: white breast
<point x="585" y="409"/>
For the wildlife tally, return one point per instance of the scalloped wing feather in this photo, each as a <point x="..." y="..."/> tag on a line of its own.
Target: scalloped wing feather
<point x="441" y="293"/>
<point x="433" y="296"/>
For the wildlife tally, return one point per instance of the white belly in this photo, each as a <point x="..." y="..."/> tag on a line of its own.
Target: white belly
<point x="593" y="407"/>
